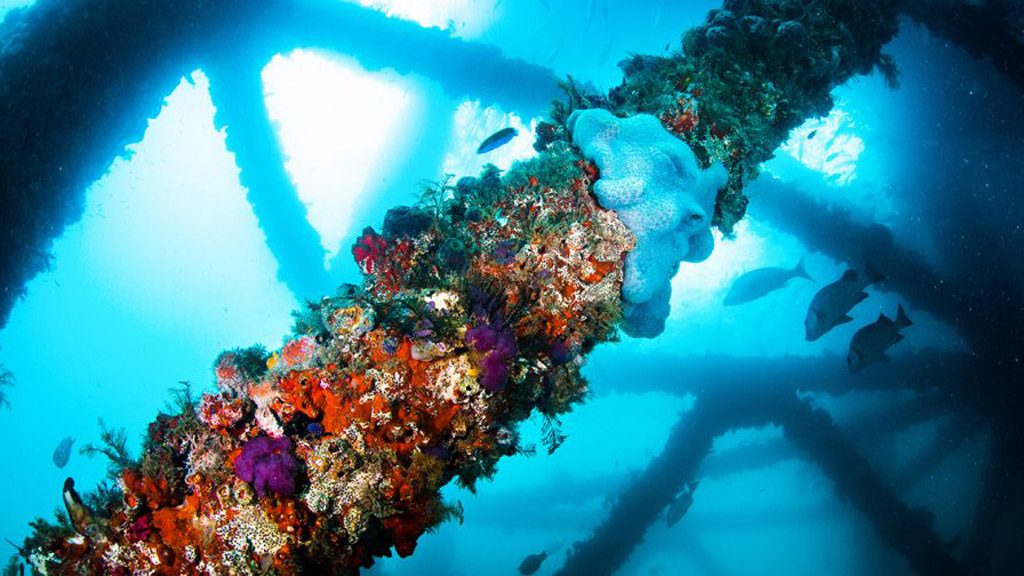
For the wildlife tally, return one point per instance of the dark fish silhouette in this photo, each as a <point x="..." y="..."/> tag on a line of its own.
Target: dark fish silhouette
<point x="62" y="452"/>
<point x="497" y="140"/>
<point x="870" y="343"/>
<point x="681" y="505"/>
<point x="832" y="303"/>
<point x="532" y="563"/>
<point x="812" y="134"/>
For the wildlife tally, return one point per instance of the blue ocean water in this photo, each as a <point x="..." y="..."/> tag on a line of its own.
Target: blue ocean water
<point x="168" y="265"/>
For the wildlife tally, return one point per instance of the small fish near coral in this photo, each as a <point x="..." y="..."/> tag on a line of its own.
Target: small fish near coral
<point x="832" y="304"/>
<point x="62" y="453"/>
<point x="497" y="140"/>
<point x="870" y="344"/>
<point x="532" y="563"/>
<point x="79" y="515"/>
<point x="761" y="282"/>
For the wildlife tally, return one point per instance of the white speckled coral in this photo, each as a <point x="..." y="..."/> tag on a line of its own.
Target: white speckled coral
<point x="652" y="181"/>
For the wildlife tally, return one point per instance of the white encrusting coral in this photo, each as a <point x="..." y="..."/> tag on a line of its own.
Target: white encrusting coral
<point x="651" y="179"/>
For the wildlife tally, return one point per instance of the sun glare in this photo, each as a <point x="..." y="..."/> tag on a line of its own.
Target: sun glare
<point x="828" y="145"/>
<point x="336" y="122"/>
<point x="463" y="18"/>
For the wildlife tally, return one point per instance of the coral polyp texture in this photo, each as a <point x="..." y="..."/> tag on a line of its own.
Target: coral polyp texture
<point x="477" y="308"/>
<point x="652" y="181"/>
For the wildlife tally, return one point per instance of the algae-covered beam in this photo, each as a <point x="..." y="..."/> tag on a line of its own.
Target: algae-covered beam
<point x="681" y="374"/>
<point x="73" y="94"/>
<point x="236" y="87"/>
<point x="641" y="503"/>
<point x="989" y="29"/>
<point x="900" y="527"/>
<point x="811" y="431"/>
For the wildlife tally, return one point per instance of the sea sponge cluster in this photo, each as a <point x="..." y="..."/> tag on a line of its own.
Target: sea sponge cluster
<point x="652" y="181"/>
<point x="750" y="73"/>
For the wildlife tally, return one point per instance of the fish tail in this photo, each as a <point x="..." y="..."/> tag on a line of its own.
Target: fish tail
<point x="901" y="317"/>
<point x="801" y="269"/>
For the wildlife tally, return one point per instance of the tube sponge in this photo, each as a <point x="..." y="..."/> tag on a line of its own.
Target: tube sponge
<point x="652" y="181"/>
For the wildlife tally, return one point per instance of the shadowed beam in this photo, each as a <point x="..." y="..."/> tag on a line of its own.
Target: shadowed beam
<point x="843" y="238"/>
<point x="641" y="503"/>
<point x="463" y="68"/>
<point x="811" y="431"/>
<point x="73" y="94"/>
<point x="989" y="29"/>
<point x="873" y="426"/>
<point x="678" y="374"/>
<point x="948" y="439"/>
<point x="901" y="528"/>
<point x="236" y="87"/>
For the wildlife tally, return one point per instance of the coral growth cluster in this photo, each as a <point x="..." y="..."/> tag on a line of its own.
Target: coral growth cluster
<point x="753" y="71"/>
<point x="477" y="309"/>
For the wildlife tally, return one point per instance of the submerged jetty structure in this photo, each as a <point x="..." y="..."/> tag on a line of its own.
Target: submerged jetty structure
<point x="478" y="306"/>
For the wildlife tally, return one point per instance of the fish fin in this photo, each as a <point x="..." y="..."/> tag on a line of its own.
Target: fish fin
<point x="801" y="270"/>
<point x="883" y="318"/>
<point x="863" y="296"/>
<point x="850" y="274"/>
<point x="844" y="320"/>
<point x="901" y="317"/>
<point x="898" y="338"/>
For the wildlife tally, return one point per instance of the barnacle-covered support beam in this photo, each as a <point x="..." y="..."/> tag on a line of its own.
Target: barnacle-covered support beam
<point x="992" y="29"/>
<point x="949" y="372"/>
<point x="639" y="505"/>
<point x="907" y="531"/>
<point x="73" y="95"/>
<point x="814" y="435"/>
<point x="236" y="88"/>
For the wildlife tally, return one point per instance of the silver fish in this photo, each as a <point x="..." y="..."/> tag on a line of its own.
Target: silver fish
<point x="681" y="505"/>
<point x="831" y="305"/>
<point x="761" y="282"/>
<point x="532" y="563"/>
<point x="870" y="343"/>
<point x="62" y="452"/>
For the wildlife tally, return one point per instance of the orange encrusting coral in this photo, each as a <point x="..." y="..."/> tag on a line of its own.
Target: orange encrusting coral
<point x="383" y="394"/>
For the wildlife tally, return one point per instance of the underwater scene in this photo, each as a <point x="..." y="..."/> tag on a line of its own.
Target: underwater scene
<point x="553" y="287"/>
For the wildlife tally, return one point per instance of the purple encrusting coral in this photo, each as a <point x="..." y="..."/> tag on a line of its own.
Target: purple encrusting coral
<point x="498" y="344"/>
<point x="269" y="465"/>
